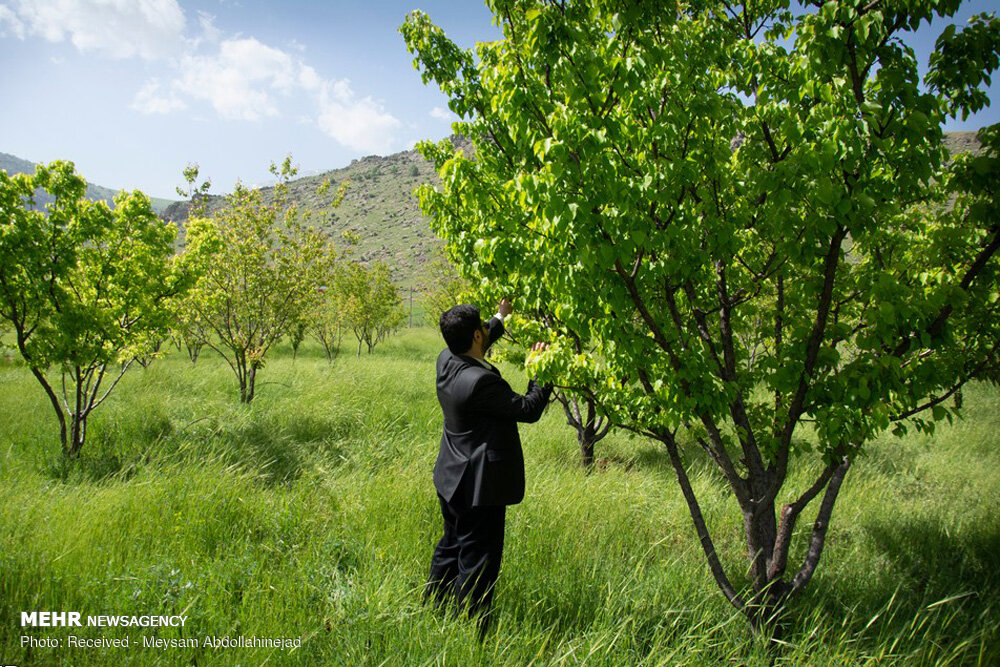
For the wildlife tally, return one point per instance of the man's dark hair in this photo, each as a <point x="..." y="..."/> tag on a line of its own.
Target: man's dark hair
<point x="458" y="326"/>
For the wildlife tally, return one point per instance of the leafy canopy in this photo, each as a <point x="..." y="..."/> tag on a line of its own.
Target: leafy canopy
<point x="747" y="214"/>
<point x="83" y="286"/>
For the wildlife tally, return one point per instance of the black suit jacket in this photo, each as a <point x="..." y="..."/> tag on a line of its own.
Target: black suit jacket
<point x="480" y="462"/>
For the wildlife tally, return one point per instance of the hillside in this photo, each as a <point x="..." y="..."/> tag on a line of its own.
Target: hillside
<point x="961" y="142"/>
<point x="379" y="205"/>
<point x="15" y="165"/>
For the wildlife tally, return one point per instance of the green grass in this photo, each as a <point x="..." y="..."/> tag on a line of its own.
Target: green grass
<point x="311" y="514"/>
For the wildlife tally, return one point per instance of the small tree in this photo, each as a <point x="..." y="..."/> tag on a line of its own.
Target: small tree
<point x="372" y="306"/>
<point x="328" y="324"/>
<point x="86" y="289"/>
<point x="189" y="331"/>
<point x="675" y="179"/>
<point x="298" y="334"/>
<point x="260" y="270"/>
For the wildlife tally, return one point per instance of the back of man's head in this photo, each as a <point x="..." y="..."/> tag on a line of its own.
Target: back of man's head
<point x="458" y="326"/>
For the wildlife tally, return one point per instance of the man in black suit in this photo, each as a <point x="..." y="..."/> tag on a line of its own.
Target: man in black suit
<point x="480" y="467"/>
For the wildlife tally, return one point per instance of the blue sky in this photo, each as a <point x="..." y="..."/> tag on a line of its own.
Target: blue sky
<point x="133" y="90"/>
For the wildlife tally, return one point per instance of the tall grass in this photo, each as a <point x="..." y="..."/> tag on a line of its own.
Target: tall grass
<point x="311" y="514"/>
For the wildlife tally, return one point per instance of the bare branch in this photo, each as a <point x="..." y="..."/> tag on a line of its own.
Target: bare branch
<point x="789" y="515"/>
<point x="113" y="384"/>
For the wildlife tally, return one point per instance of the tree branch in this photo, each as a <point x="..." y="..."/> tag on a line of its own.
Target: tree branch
<point x="699" y="523"/>
<point x="789" y="515"/>
<point x="819" y="529"/>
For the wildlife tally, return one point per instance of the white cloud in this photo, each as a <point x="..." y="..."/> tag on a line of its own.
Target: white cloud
<point x="240" y="80"/>
<point x="248" y="80"/>
<point x="118" y="28"/>
<point x="442" y="114"/>
<point x="152" y="100"/>
<point x="309" y="79"/>
<point x="10" y="24"/>
<point x="360" y="123"/>
<point x="241" y="77"/>
<point x="209" y="33"/>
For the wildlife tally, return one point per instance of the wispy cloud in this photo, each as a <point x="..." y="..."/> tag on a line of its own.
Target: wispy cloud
<point x="117" y="28"/>
<point x="209" y="33"/>
<point x="361" y="123"/>
<point x="10" y="24"/>
<point x="239" y="77"/>
<point x="248" y="80"/>
<point x="152" y="99"/>
<point x="442" y="114"/>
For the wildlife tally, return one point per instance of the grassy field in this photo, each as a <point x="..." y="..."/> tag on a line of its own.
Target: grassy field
<point x="311" y="515"/>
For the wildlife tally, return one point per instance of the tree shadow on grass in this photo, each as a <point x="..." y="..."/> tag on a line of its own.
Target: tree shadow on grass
<point x="936" y="564"/>
<point x="641" y="628"/>
<point x="264" y="450"/>
<point x="278" y="451"/>
<point x="275" y="450"/>
<point x="115" y="450"/>
<point x="932" y="591"/>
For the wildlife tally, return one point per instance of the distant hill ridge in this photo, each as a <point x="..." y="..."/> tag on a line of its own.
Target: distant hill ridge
<point x="15" y="165"/>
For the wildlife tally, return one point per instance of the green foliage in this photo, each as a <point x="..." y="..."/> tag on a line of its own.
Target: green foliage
<point x="86" y="289"/>
<point x="962" y="63"/>
<point x="370" y="305"/>
<point x="196" y="192"/>
<point x="260" y="268"/>
<point x="327" y="322"/>
<point x="754" y="239"/>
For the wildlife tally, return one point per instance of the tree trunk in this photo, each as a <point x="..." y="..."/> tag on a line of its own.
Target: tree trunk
<point x="768" y="542"/>
<point x="77" y="436"/>
<point x="589" y="429"/>
<point x="56" y="406"/>
<point x="587" y="453"/>
<point x="247" y="387"/>
<point x="763" y="610"/>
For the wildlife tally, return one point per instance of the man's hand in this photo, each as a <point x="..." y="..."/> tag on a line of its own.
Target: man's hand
<point x="539" y="347"/>
<point x="505" y="308"/>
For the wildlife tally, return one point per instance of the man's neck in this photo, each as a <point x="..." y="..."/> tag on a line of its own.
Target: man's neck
<point x="475" y="354"/>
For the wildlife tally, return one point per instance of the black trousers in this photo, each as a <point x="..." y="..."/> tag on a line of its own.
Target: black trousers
<point x="466" y="562"/>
